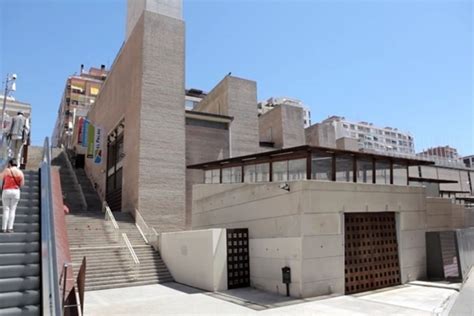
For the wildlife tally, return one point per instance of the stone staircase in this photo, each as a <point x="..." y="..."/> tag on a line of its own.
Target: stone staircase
<point x="107" y="261"/>
<point x="20" y="266"/>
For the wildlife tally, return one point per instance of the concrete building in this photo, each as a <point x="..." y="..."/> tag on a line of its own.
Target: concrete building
<point x="193" y="97"/>
<point x="369" y="137"/>
<point x="265" y="106"/>
<point x="469" y="161"/>
<point x="79" y="95"/>
<point x="256" y="196"/>
<point x="443" y="156"/>
<point x="342" y="221"/>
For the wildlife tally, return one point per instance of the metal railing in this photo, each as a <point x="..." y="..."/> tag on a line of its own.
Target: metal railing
<point x="3" y="151"/>
<point x="114" y="230"/>
<point x="149" y="233"/>
<point x="133" y="261"/>
<point x="110" y="222"/>
<point x="51" y="303"/>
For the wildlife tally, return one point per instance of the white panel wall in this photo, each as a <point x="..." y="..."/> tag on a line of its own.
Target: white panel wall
<point x="197" y="258"/>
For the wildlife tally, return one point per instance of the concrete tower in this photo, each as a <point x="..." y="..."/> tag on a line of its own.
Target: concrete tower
<point x="143" y="98"/>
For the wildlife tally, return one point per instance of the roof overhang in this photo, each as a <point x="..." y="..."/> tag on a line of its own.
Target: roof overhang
<point x="302" y="151"/>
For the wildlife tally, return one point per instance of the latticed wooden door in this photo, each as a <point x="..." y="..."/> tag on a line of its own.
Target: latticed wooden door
<point x="238" y="268"/>
<point x="371" y="251"/>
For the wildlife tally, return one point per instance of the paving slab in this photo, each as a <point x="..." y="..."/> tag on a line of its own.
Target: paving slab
<point x="177" y="299"/>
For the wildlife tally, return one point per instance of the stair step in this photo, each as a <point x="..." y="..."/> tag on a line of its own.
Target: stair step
<point x="29" y="310"/>
<point x="17" y="299"/>
<point x="19" y="258"/>
<point x="105" y="274"/>
<point x="19" y="284"/>
<point x="126" y="284"/>
<point x="19" y="237"/>
<point x="23" y="218"/>
<point x="127" y="277"/>
<point x="11" y="271"/>
<point x="25" y="227"/>
<point x="17" y="247"/>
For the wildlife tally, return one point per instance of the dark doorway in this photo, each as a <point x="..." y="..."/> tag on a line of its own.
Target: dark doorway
<point x="238" y="268"/>
<point x="114" y="171"/>
<point x="371" y="251"/>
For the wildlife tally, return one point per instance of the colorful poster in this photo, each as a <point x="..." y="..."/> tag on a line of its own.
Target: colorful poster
<point x="98" y="145"/>
<point x="90" y="140"/>
<point x="80" y="131"/>
<point x="85" y="129"/>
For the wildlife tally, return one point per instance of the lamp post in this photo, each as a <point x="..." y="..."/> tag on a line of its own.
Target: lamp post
<point x="10" y="79"/>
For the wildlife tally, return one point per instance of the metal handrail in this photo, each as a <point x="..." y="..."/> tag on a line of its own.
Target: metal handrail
<point x="149" y="233"/>
<point x="51" y="303"/>
<point x="111" y="222"/>
<point x="3" y="152"/>
<point x="133" y="260"/>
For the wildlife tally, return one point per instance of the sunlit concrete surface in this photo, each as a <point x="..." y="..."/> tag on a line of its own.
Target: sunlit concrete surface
<point x="464" y="304"/>
<point x="176" y="299"/>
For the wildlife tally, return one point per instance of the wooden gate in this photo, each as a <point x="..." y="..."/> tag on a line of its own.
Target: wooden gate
<point x="371" y="251"/>
<point x="238" y="269"/>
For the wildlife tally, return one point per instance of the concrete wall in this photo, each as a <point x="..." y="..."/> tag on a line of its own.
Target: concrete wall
<point x="205" y="141"/>
<point x="283" y="126"/>
<point x="162" y="165"/>
<point x="197" y="258"/>
<point x="236" y="97"/>
<point x="120" y="98"/>
<point x="323" y="135"/>
<point x="304" y="228"/>
<point x="146" y="88"/>
<point x="347" y="143"/>
<point x="135" y="8"/>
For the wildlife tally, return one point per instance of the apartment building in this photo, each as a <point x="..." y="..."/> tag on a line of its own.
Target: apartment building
<point x="79" y="95"/>
<point x="368" y="136"/>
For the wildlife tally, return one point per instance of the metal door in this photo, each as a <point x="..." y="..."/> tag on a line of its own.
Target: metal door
<point x="371" y="251"/>
<point x="238" y="268"/>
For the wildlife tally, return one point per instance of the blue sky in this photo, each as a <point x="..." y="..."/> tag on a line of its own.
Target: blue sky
<point x="399" y="63"/>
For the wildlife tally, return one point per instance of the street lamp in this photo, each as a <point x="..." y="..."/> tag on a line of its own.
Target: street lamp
<point x="10" y="86"/>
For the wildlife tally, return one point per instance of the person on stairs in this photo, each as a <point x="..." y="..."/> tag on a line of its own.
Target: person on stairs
<point x="13" y="180"/>
<point x="18" y="135"/>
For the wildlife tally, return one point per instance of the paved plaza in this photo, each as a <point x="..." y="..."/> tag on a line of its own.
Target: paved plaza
<point x="177" y="299"/>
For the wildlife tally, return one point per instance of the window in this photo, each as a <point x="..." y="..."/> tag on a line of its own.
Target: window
<point x="257" y="173"/>
<point x="364" y="170"/>
<point x="382" y="172"/>
<point x="232" y="175"/>
<point x="400" y="174"/>
<point x="344" y="168"/>
<point x="280" y="170"/>
<point x="297" y="169"/>
<point x="353" y="126"/>
<point x="321" y="166"/>
<point x="345" y="125"/>
<point x="212" y="176"/>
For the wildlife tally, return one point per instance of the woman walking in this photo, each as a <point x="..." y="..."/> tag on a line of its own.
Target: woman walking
<point x="13" y="179"/>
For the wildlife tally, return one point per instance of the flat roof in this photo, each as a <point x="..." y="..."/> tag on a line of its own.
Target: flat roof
<point x="299" y="151"/>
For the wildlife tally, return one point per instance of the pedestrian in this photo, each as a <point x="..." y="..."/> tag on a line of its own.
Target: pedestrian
<point x="13" y="180"/>
<point x="18" y="135"/>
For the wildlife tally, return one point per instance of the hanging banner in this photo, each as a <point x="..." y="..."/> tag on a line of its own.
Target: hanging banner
<point x="80" y="131"/>
<point x="98" y="145"/>
<point x="85" y="129"/>
<point x="90" y="140"/>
